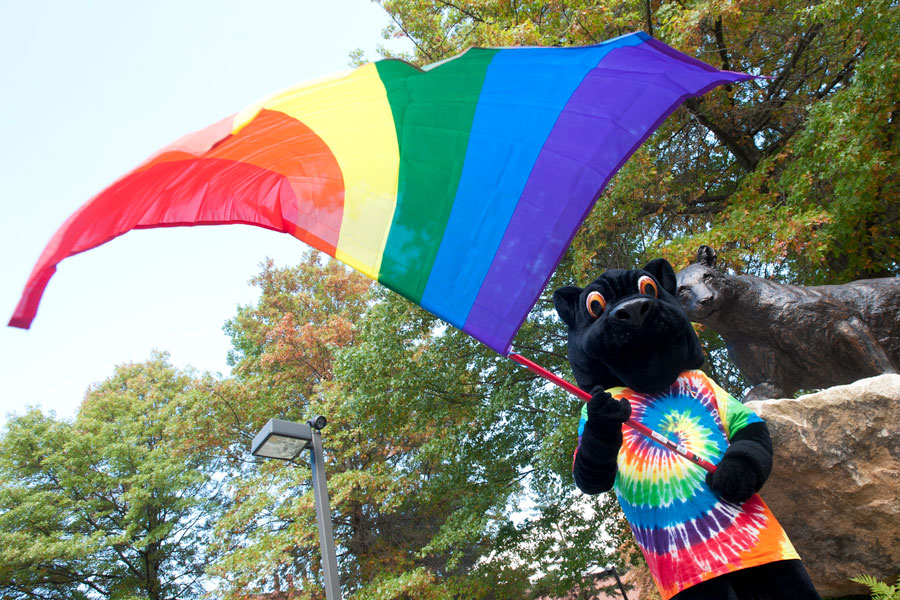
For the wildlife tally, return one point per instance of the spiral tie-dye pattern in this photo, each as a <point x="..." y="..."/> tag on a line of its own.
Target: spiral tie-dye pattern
<point x="686" y="533"/>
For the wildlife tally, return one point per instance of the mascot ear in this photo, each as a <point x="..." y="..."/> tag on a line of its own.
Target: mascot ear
<point x="565" y="299"/>
<point x="706" y="256"/>
<point x="665" y="275"/>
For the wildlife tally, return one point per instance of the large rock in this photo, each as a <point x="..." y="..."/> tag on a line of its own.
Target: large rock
<point x="835" y="486"/>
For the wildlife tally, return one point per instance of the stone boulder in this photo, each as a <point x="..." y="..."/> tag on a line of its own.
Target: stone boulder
<point x="835" y="486"/>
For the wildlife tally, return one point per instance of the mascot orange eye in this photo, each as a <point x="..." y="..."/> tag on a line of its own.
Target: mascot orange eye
<point x="648" y="286"/>
<point x="596" y="304"/>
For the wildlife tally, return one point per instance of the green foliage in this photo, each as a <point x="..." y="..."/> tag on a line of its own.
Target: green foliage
<point x="879" y="589"/>
<point x="448" y="465"/>
<point x="282" y="355"/>
<point x="110" y="505"/>
<point x="495" y="452"/>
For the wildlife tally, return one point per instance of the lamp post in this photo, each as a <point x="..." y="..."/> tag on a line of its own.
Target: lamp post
<point x="285" y="440"/>
<point x="615" y="573"/>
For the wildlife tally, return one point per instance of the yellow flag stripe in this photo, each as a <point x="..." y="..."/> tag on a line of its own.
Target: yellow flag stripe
<point x="351" y="114"/>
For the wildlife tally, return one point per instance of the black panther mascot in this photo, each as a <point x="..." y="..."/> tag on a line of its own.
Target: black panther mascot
<point x="704" y="535"/>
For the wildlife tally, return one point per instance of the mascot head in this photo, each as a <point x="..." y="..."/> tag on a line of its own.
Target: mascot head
<point x="627" y="329"/>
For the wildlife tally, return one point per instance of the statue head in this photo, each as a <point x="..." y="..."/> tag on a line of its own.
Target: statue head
<point x="701" y="289"/>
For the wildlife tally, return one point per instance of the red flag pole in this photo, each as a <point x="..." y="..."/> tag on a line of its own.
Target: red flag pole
<point x="639" y="427"/>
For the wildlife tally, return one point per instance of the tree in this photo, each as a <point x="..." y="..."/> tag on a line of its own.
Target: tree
<point x="283" y="354"/>
<point x="491" y="460"/>
<point x="113" y="504"/>
<point x="447" y="464"/>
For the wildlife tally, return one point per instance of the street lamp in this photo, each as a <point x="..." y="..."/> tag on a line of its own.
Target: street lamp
<point x="285" y="440"/>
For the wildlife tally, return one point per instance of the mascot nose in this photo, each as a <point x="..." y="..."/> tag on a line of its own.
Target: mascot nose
<point x="633" y="311"/>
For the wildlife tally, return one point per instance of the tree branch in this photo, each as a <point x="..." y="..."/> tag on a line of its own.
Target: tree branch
<point x="720" y="43"/>
<point x="777" y="85"/>
<point x="411" y="38"/>
<point x="747" y="155"/>
<point x="469" y="14"/>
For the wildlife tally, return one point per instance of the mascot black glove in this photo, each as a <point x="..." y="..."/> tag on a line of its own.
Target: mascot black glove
<point x="595" y="464"/>
<point x="605" y="414"/>
<point x="745" y="466"/>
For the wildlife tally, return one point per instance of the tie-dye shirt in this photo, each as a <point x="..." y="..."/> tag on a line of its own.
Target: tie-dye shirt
<point x="686" y="532"/>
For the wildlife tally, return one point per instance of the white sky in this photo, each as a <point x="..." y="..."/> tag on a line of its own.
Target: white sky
<point x="87" y="91"/>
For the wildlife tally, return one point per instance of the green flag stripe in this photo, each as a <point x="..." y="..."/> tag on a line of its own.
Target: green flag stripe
<point x="433" y="112"/>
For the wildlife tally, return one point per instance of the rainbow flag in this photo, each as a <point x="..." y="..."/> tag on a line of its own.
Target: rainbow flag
<point x="459" y="186"/>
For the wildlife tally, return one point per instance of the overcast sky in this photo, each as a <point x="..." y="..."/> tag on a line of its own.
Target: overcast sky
<point x="89" y="90"/>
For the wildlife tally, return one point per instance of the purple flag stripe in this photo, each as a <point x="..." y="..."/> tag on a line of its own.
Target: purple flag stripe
<point x="614" y="110"/>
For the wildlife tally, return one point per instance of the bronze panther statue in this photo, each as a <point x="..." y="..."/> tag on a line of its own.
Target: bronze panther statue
<point x="786" y="338"/>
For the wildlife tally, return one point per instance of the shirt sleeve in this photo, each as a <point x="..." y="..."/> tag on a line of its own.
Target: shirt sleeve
<point x="735" y="416"/>
<point x="581" y="424"/>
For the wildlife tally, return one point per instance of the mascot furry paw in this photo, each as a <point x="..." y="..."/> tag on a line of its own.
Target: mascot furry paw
<point x="707" y="536"/>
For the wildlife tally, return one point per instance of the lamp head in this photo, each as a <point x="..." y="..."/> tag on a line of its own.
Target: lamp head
<point x="283" y="440"/>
